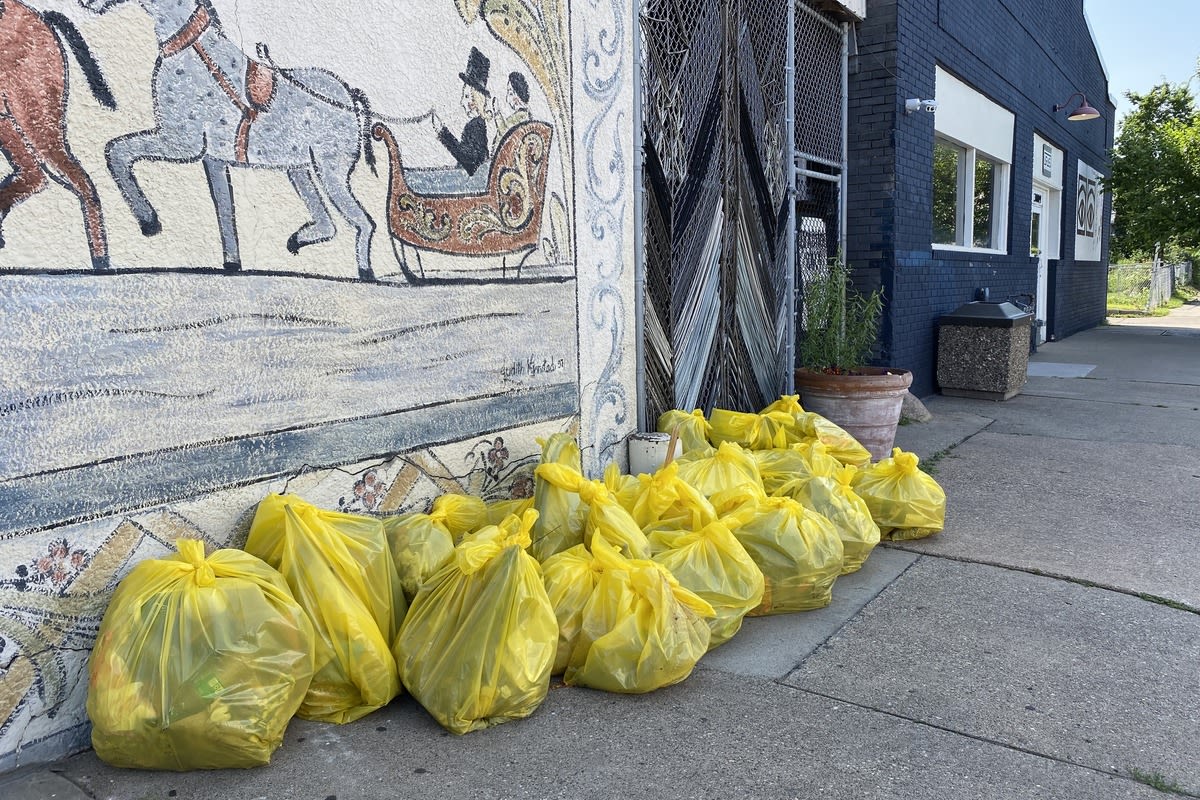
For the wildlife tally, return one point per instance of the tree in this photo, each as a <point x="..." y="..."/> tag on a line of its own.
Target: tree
<point x="1156" y="173"/>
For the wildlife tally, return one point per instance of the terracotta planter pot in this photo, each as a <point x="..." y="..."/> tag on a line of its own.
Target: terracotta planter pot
<point x="866" y="405"/>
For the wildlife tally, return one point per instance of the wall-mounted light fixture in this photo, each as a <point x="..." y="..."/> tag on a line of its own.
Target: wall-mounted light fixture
<point x="1084" y="111"/>
<point x="913" y="105"/>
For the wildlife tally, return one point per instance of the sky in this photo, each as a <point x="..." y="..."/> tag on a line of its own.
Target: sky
<point x="1144" y="43"/>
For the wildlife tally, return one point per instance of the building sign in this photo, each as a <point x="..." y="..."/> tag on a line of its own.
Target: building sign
<point x="1089" y="214"/>
<point x="1047" y="160"/>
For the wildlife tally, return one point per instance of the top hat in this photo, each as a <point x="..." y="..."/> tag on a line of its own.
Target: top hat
<point x="477" y="71"/>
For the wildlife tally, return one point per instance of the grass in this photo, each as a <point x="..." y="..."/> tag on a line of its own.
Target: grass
<point x="1162" y="601"/>
<point x="930" y="465"/>
<point x="1134" y="304"/>
<point x="1156" y="780"/>
<point x="1181" y="296"/>
<point x="1129" y="292"/>
<point x="1129" y="287"/>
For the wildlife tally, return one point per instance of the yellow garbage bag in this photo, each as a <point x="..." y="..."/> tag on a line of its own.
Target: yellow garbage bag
<point x="806" y="461"/>
<point x="808" y="426"/>
<point x="420" y="544"/>
<point x="821" y="460"/>
<point x="561" y="514"/>
<point x="787" y="403"/>
<point x="798" y="551"/>
<point x="340" y="569"/>
<point x="667" y="501"/>
<point x="842" y="446"/>
<point x="728" y="467"/>
<point x="905" y="502"/>
<point x="833" y="498"/>
<point x="692" y="429"/>
<point x="465" y="514"/>
<point x="623" y="487"/>
<point x="641" y="630"/>
<point x="656" y="496"/>
<point x="460" y="513"/>
<point x="711" y="562"/>
<point x="478" y="644"/>
<point x="570" y="577"/>
<point x="496" y="511"/>
<point x="604" y="513"/>
<point x="780" y="466"/>
<point x="764" y="431"/>
<point x="200" y="663"/>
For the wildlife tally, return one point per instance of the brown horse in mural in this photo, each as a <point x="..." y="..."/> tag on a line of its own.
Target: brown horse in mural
<point x="33" y="108"/>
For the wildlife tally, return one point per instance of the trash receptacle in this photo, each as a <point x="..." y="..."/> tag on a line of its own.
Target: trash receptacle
<point x="983" y="350"/>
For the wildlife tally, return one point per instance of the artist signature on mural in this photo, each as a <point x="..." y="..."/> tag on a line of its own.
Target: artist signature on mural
<point x="533" y="366"/>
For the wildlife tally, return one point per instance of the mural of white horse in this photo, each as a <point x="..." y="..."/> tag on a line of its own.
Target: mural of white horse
<point x="216" y="105"/>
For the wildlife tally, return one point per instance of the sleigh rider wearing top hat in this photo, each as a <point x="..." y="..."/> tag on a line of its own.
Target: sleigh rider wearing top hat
<point x="470" y="150"/>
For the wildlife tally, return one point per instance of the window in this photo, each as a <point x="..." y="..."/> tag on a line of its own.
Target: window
<point x="986" y="183"/>
<point x="969" y="191"/>
<point x="946" y="158"/>
<point x="972" y="158"/>
<point x="1035" y="226"/>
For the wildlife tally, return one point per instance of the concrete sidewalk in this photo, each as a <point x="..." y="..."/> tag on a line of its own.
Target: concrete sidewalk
<point x="1045" y="645"/>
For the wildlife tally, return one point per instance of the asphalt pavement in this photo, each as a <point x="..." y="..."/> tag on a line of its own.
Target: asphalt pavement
<point x="1044" y="645"/>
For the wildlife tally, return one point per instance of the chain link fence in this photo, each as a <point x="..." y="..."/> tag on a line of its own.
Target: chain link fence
<point x="1147" y="286"/>
<point x="717" y="318"/>
<point x="820" y="148"/>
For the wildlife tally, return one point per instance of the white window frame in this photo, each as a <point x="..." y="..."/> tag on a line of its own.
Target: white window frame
<point x="965" y="206"/>
<point x="974" y="125"/>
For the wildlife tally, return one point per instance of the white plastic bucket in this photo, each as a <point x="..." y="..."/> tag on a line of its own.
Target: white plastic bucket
<point x="648" y="451"/>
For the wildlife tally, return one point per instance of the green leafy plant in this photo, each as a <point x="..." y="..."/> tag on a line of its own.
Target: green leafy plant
<point x="1157" y="781"/>
<point x="841" y="325"/>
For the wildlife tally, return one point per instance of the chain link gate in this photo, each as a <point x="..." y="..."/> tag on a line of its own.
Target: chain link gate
<point x="821" y="53"/>
<point x="721" y="266"/>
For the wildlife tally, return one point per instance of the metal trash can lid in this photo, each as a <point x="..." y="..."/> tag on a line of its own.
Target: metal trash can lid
<point x="982" y="314"/>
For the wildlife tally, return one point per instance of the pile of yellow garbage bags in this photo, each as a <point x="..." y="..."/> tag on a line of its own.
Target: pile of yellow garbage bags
<point x="619" y="585"/>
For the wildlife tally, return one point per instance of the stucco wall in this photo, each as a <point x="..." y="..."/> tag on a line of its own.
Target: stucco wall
<point x="164" y="369"/>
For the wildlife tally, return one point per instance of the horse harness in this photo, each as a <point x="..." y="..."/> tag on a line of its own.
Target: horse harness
<point x="260" y="77"/>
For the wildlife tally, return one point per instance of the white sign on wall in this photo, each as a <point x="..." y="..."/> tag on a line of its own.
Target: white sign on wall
<point x="1089" y="214"/>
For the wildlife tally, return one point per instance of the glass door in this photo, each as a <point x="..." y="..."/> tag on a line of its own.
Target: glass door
<point x="1038" y="247"/>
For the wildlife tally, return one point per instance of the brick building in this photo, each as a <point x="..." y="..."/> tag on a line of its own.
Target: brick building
<point x="994" y="187"/>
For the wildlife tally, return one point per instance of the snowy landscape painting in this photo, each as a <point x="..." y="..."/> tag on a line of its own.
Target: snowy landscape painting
<point x="288" y="256"/>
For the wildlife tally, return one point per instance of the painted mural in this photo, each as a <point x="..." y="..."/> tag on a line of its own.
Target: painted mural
<point x="192" y="95"/>
<point x="33" y="127"/>
<point x="253" y="248"/>
<point x="234" y="290"/>
<point x="1089" y="213"/>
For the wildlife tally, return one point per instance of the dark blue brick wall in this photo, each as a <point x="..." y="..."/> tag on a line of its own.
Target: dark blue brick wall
<point x="871" y="153"/>
<point x="1025" y="55"/>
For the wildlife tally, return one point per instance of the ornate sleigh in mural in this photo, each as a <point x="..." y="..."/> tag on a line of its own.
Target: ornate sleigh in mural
<point x="502" y="220"/>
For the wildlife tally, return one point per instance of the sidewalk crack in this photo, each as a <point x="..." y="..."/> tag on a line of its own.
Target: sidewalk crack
<point x="851" y="618"/>
<point x="1146" y="596"/>
<point x="1133" y="775"/>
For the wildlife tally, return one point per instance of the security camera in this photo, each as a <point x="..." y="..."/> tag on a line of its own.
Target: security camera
<point x="914" y="104"/>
